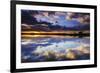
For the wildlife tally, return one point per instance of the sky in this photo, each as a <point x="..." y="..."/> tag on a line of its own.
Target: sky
<point x="66" y="19"/>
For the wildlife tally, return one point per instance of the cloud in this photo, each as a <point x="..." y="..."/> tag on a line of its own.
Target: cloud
<point x="46" y="17"/>
<point x="55" y="17"/>
<point x="84" y="19"/>
<point x="46" y="14"/>
<point x="69" y="15"/>
<point x="79" y="17"/>
<point x="26" y="26"/>
<point x="60" y="13"/>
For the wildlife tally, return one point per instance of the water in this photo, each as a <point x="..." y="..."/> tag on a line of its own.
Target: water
<point x="54" y="48"/>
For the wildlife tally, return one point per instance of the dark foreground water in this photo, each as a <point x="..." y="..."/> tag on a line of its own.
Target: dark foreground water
<point x="54" y="48"/>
